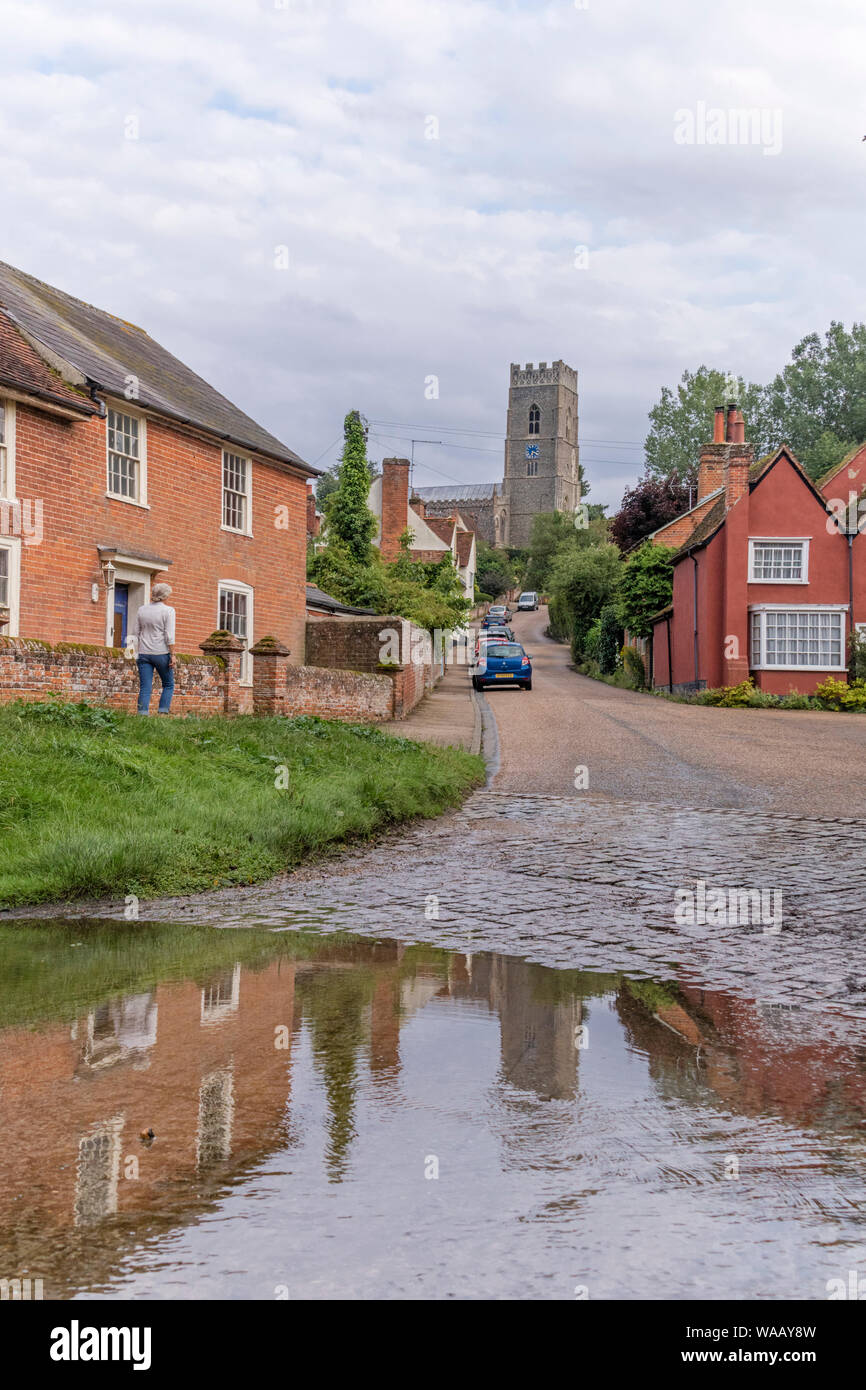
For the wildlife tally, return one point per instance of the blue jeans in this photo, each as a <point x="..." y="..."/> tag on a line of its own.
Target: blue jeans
<point x="146" y="667"/>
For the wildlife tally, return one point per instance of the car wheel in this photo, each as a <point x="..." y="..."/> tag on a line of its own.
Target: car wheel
<point x="475" y="685"/>
<point x="527" y="685"/>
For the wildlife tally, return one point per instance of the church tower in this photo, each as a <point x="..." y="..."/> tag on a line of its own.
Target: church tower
<point x="541" y="450"/>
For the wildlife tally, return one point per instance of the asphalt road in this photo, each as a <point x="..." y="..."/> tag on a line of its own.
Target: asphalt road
<point x="633" y="746"/>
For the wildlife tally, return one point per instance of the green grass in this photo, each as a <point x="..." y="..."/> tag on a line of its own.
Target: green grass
<point x="97" y="804"/>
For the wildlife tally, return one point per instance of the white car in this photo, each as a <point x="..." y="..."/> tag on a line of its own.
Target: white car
<point x="528" y="601"/>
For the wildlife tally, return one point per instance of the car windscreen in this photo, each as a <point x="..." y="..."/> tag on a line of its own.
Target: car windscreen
<point x="529" y="596"/>
<point x="509" y="650"/>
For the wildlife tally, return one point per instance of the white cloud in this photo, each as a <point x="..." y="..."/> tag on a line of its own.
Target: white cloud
<point x="304" y="126"/>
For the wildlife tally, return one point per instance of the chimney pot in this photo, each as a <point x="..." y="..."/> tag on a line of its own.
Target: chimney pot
<point x="719" y="424"/>
<point x="729" y="428"/>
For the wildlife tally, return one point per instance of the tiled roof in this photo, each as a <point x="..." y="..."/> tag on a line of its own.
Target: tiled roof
<point x="442" y="526"/>
<point x="464" y="546"/>
<point x="317" y="598"/>
<point x="22" y="369"/>
<point x="825" y="478"/>
<point x="471" y="492"/>
<point x="109" y="351"/>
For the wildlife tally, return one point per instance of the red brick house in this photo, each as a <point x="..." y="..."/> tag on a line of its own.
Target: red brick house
<point x="762" y="581"/>
<point x="119" y="464"/>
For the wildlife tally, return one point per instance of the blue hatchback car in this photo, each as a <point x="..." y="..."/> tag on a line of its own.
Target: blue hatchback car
<point x="503" y="663"/>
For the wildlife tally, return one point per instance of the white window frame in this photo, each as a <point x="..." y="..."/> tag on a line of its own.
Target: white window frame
<point x="238" y="587"/>
<point x="140" y="499"/>
<point x="248" y="494"/>
<point x="12" y="544"/>
<point x="779" y="540"/>
<point x="7" y="487"/>
<point x="760" y="610"/>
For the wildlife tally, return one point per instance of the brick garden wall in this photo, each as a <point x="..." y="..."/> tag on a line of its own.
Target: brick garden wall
<point x="347" y="695"/>
<point x="206" y="684"/>
<point x="357" y="644"/>
<point x="32" y="670"/>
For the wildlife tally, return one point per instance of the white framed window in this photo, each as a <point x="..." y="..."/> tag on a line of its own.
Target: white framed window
<point x="779" y="561"/>
<point x="787" y="638"/>
<point x="10" y="582"/>
<point x="126" y="440"/>
<point x="237" y="493"/>
<point x="235" y="615"/>
<point x="7" y="449"/>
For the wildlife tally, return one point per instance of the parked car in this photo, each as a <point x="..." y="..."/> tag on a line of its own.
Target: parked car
<point x="487" y="639"/>
<point x="497" y="613"/>
<point x="527" y="601"/>
<point x="503" y="663"/>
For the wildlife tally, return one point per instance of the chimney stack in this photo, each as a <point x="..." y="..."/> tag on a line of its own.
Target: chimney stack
<point x="312" y="519"/>
<point x="726" y="462"/>
<point x="395" y="505"/>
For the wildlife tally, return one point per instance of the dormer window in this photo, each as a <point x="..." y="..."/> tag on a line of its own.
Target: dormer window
<point x="534" y="420"/>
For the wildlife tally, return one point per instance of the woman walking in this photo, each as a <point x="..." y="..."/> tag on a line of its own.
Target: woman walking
<point x="153" y="626"/>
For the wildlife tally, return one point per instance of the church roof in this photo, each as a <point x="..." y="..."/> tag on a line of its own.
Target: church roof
<point x="470" y="492"/>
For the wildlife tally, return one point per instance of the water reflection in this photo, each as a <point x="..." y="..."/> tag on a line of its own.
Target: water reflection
<point x="567" y="1111"/>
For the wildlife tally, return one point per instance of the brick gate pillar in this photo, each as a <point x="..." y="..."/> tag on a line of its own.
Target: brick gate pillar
<point x="228" y="648"/>
<point x="269" y="676"/>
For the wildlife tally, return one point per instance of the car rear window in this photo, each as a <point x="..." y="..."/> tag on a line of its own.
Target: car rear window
<point x="528" y="594"/>
<point x="507" y="649"/>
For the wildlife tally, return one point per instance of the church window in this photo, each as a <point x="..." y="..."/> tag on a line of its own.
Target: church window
<point x="531" y="467"/>
<point x="534" y="420"/>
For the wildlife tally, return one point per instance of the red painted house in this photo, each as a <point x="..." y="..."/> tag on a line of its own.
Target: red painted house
<point x="118" y="465"/>
<point x="762" y="581"/>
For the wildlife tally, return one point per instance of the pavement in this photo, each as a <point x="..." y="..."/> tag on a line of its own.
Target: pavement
<point x="450" y="714"/>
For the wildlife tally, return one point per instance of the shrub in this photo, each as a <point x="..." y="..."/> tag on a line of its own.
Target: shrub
<point x="57" y="711"/>
<point x="634" y="667"/>
<point x="835" y="694"/>
<point x="591" y="641"/>
<point x="609" y="640"/>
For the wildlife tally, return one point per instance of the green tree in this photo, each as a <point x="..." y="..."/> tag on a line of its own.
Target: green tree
<point x="682" y="421"/>
<point x="495" y="569"/>
<point x="817" y="403"/>
<point x="553" y="532"/>
<point x="349" y="520"/>
<point x="326" y="484"/>
<point x="645" y="587"/>
<point x="582" y="581"/>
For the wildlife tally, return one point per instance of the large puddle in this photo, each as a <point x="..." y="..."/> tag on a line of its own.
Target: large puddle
<point x="352" y="1118"/>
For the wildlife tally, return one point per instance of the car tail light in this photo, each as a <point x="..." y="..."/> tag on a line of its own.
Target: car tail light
<point x="525" y="661"/>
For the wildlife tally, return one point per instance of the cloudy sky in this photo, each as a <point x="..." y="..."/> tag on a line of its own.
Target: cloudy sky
<point x="321" y="204"/>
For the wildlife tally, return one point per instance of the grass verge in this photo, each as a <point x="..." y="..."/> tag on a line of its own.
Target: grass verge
<point x="94" y="803"/>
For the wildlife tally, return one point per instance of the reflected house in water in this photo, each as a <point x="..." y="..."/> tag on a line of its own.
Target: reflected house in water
<point x="752" y="1057"/>
<point x="194" y="1061"/>
<point x="197" y="1061"/>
